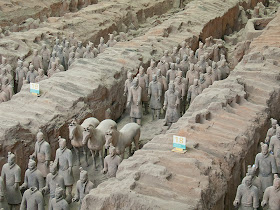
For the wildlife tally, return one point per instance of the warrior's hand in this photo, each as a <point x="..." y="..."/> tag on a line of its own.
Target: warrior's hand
<point x="104" y="171"/>
<point x="164" y="107"/>
<point x="235" y="203"/>
<point x="128" y="104"/>
<point x="263" y="204"/>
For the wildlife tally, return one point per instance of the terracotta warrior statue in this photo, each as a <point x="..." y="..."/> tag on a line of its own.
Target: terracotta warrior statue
<point x="202" y="83"/>
<point x="32" y="200"/>
<point x="8" y="89"/>
<point x="199" y="52"/>
<point x="208" y="76"/>
<point x="144" y="84"/>
<point x="52" y="59"/>
<point x="274" y="147"/>
<point x="174" y="54"/>
<point x="163" y="66"/>
<point x="177" y="63"/>
<point x="184" y="65"/>
<point x="111" y="42"/>
<point x="266" y="164"/>
<point x="192" y="58"/>
<point x="271" y="131"/>
<point x="53" y="70"/>
<point x="151" y="70"/>
<point x="193" y="91"/>
<point x="60" y="56"/>
<point x="271" y="197"/>
<point x="64" y="160"/>
<point x="134" y="101"/>
<point x="59" y="202"/>
<point x="171" y="105"/>
<point x="247" y="196"/>
<point x="42" y="153"/>
<point x="84" y="186"/>
<point x="73" y="40"/>
<point x="37" y="61"/>
<point x="88" y="54"/>
<point x="31" y="75"/>
<point x="166" y="57"/>
<point x="3" y="200"/>
<point x="111" y="162"/>
<point x="128" y="83"/>
<point x="71" y="59"/>
<point x="53" y="179"/>
<point x="180" y="87"/>
<point x="256" y="181"/>
<point x="171" y="73"/>
<point x="191" y="76"/>
<point x="11" y="175"/>
<point x="20" y="73"/>
<point x="201" y="64"/>
<point x="155" y="94"/>
<point x="33" y="177"/>
<point x="80" y="50"/>
<point x="184" y="50"/>
<point x="66" y="52"/>
<point x="102" y="46"/>
<point x="56" y="45"/>
<point x="41" y="76"/>
<point x="216" y="74"/>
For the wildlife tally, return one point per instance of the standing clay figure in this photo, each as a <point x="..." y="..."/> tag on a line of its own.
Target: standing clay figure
<point x="134" y="101"/>
<point x="84" y="186"/>
<point x="71" y="59"/>
<point x="59" y="203"/>
<point x="42" y="153"/>
<point x="59" y="65"/>
<point x="171" y="73"/>
<point x="174" y="54"/>
<point x="181" y="89"/>
<point x="191" y="76"/>
<point x="274" y="146"/>
<point x="177" y="63"/>
<point x="202" y="83"/>
<point x="66" y="52"/>
<point x="53" y="70"/>
<point x="20" y="73"/>
<point x="11" y="175"/>
<point x="199" y="51"/>
<point x="223" y="67"/>
<point x="80" y="50"/>
<point x="144" y="84"/>
<point x="155" y="93"/>
<point x="163" y="66"/>
<point x="171" y="105"/>
<point x="111" y="162"/>
<point x="216" y="74"/>
<point x="192" y="58"/>
<point x="64" y="160"/>
<point x="37" y="61"/>
<point x="6" y="65"/>
<point x="60" y="55"/>
<point x="271" y="195"/>
<point x="128" y="84"/>
<point x="247" y="195"/>
<point x="8" y="89"/>
<point x="201" y="64"/>
<point x="193" y="91"/>
<point x="41" y="76"/>
<point x="31" y="75"/>
<point x="33" y="177"/>
<point x="53" y="179"/>
<point x="184" y="50"/>
<point x="52" y="59"/>
<point x="3" y="200"/>
<point x="266" y="164"/>
<point x="184" y="65"/>
<point x="56" y="45"/>
<point x="208" y="76"/>
<point x="271" y="131"/>
<point x="32" y="200"/>
<point x="255" y="180"/>
<point x="151" y="70"/>
<point x="102" y="46"/>
<point x="73" y="40"/>
<point x="111" y="42"/>
<point x="88" y="54"/>
<point x="166" y="57"/>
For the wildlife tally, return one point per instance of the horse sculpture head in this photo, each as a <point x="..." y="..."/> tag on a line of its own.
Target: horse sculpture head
<point x="86" y="135"/>
<point x="108" y="138"/>
<point x="72" y="128"/>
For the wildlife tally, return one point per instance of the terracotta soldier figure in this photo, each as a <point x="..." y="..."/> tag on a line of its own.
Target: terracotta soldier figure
<point x="199" y="51"/>
<point x="6" y="65"/>
<point x="11" y="175"/>
<point x="102" y="46"/>
<point x="271" y="131"/>
<point x="71" y="58"/>
<point x="31" y="75"/>
<point x="56" y="45"/>
<point x="88" y="54"/>
<point x="52" y="59"/>
<point x="171" y="73"/>
<point x="42" y="153"/>
<point x="180" y="87"/>
<point x="8" y="89"/>
<point x="84" y="186"/>
<point x="166" y="57"/>
<point x="193" y="91"/>
<point x="53" y="179"/>
<point x="3" y="199"/>
<point x="247" y="196"/>
<point x="184" y="50"/>
<point x="216" y="74"/>
<point x="60" y="55"/>
<point x="208" y="76"/>
<point x="191" y="76"/>
<point x="171" y="105"/>
<point x="256" y="181"/>
<point x="202" y="83"/>
<point x="37" y="61"/>
<point x="155" y="93"/>
<point x="163" y="66"/>
<point x="274" y="146"/>
<point x="111" y="42"/>
<point x="20" y="73"/>
<point x="144" y="84"/>
<point x="151" y="70"/>
<point x="128" y="83"/>
<point x="33" y="177"/>
<point x="271" y="195"/>
<point x="53" y="70"/>
<point x="266" y="164"/>
<point x="174" y="54"/>
<point x="32" y="200"/>
<point x="64" y="160"/>
<point x="80" y="50"/>
<point x="184" y="65"/>
<point x="73" y="40"/>
<point x="41" y="76"/>
<point x="59" y="203"/>
<point x="192" y="58"/>
<point x="177" y="63"/>
<point x="111" y="162"/>
<point x="134" y="101"/>
<point x="201" y="64"/>
<point x="66" y="52"/>
<point x="59" y="65"/>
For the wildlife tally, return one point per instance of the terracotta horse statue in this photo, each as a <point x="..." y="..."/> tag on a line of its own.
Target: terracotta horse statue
<point x="123" y="138"/>
<point x="76" y="135"/>
<point x="95" y="138"/>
